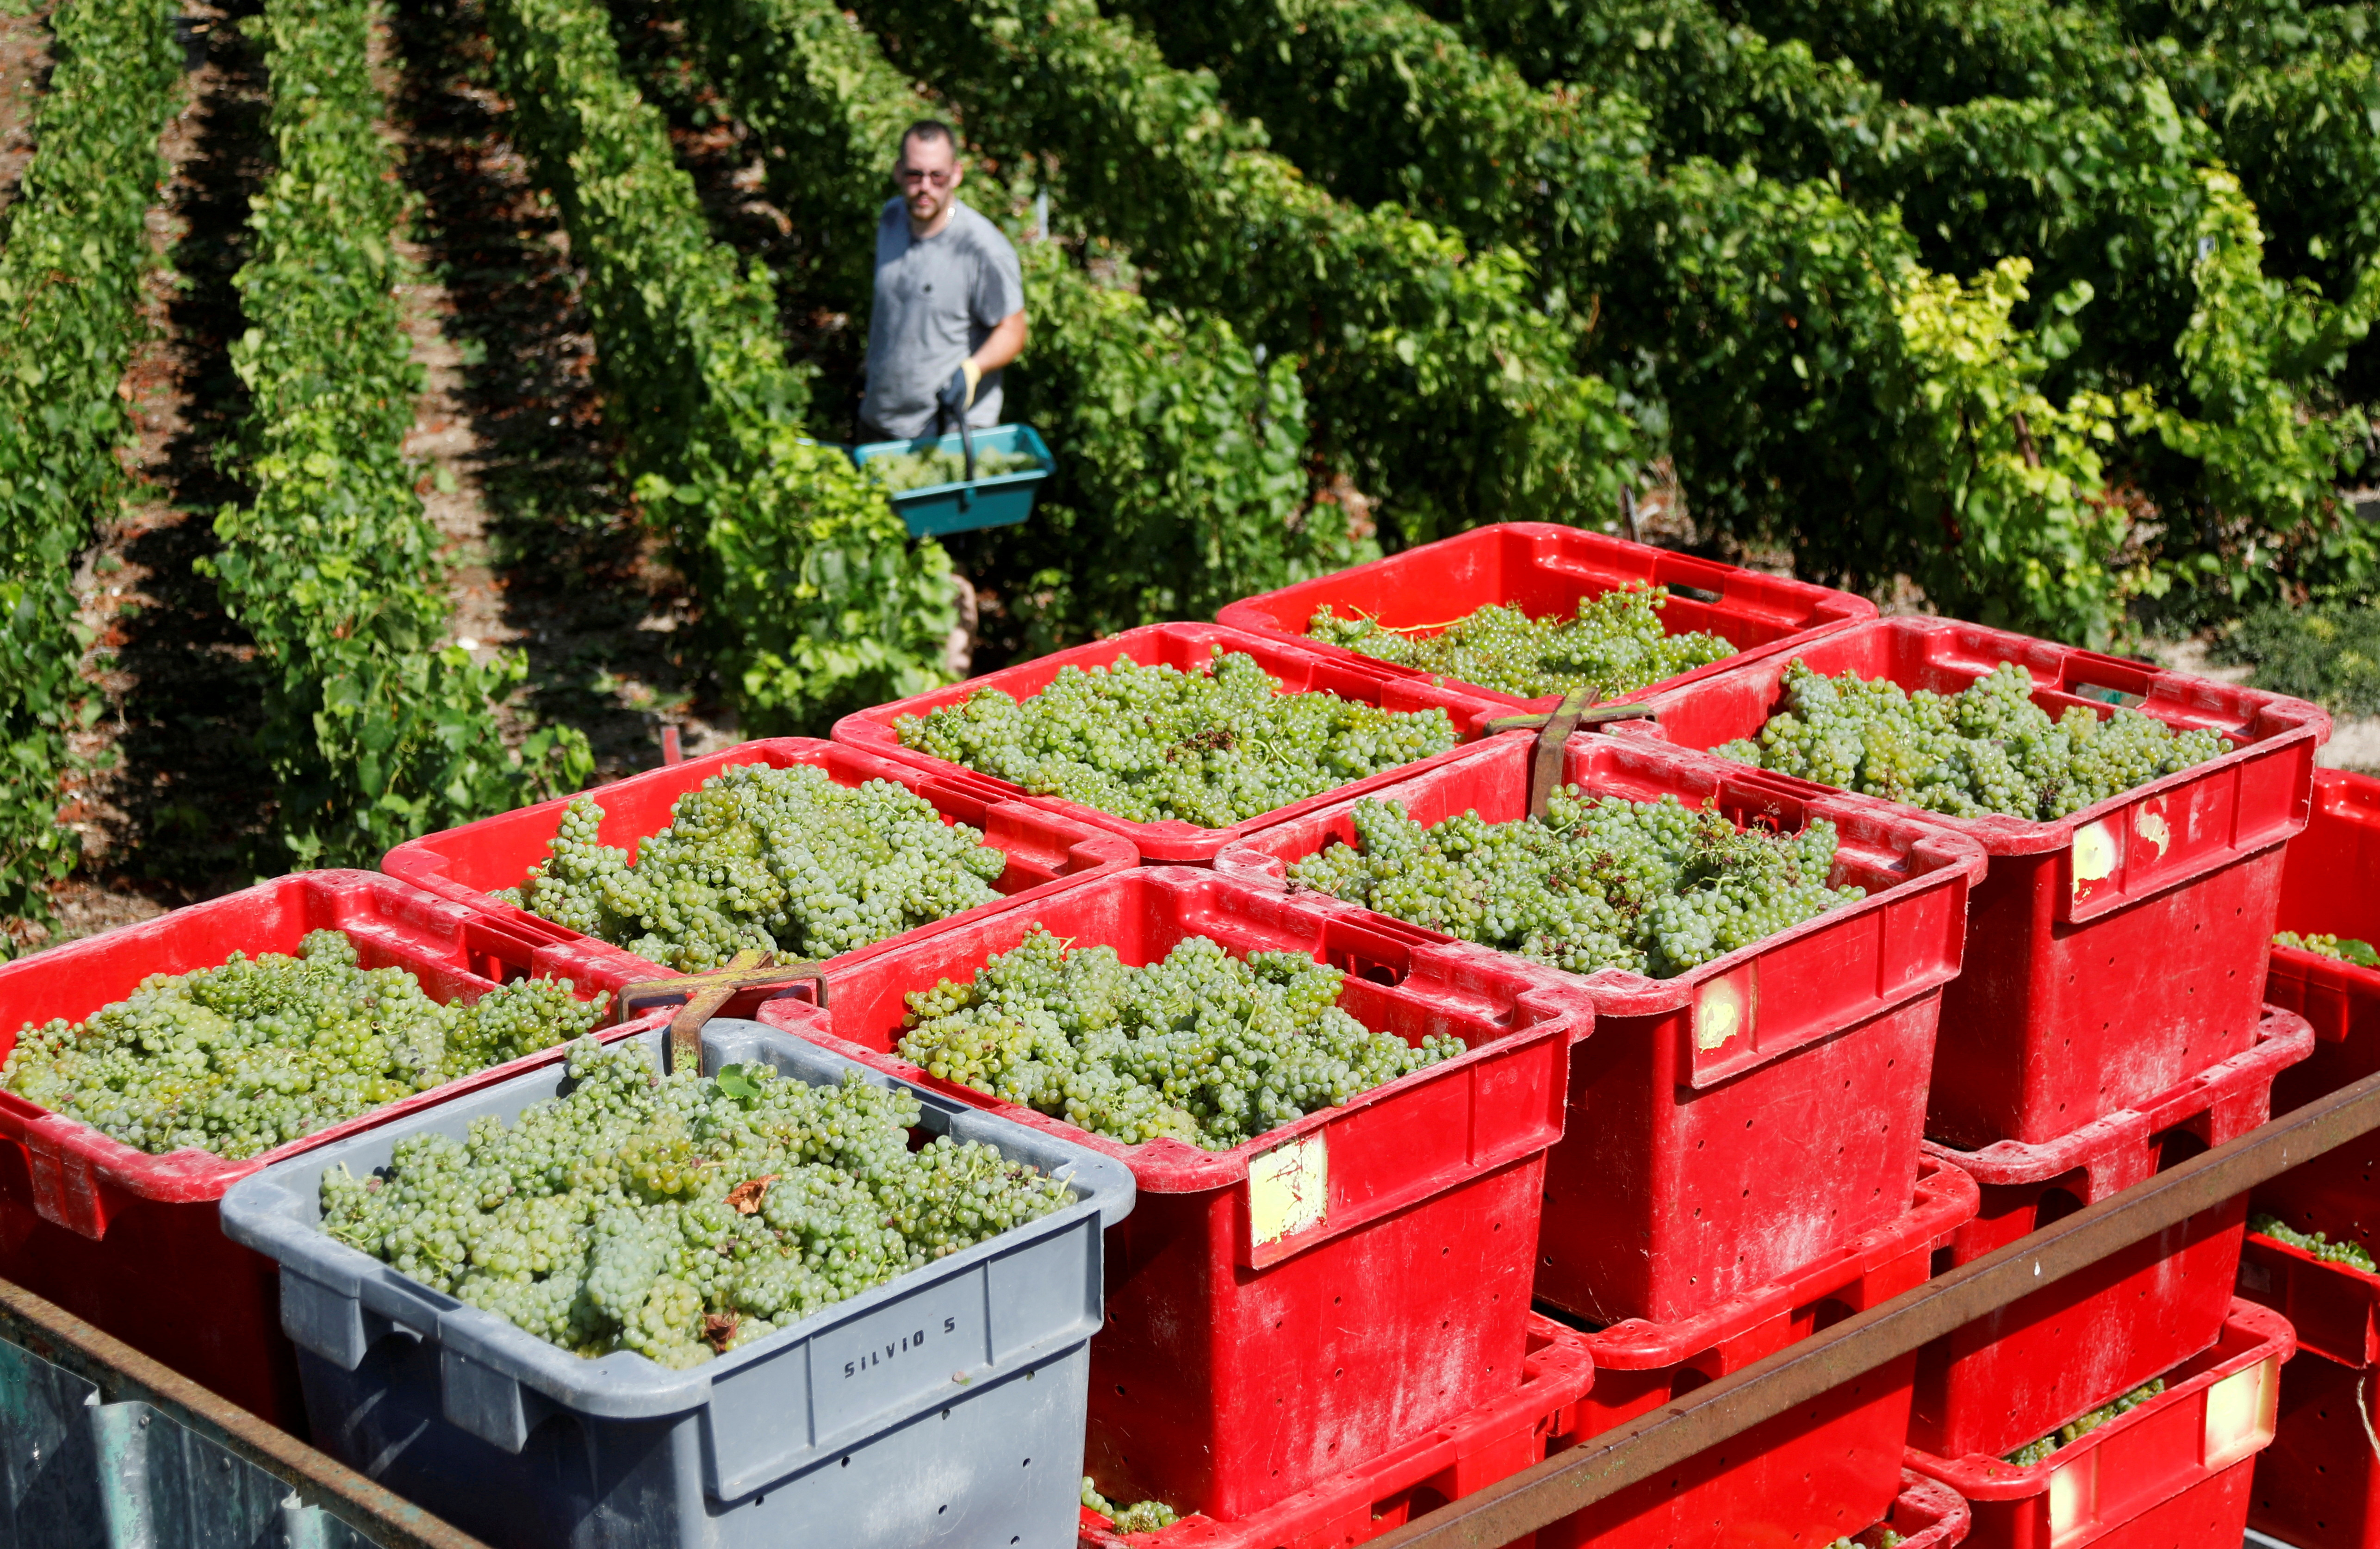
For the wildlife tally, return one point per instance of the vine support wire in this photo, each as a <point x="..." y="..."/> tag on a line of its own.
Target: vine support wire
<point x="1678" y="1430"/>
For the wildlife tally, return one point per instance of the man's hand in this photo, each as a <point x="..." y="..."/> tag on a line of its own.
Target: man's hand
<point x="958" y="393"/>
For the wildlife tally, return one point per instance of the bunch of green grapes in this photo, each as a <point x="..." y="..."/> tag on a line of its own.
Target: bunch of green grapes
<point x="2346" y="949"/>
<point x="679" y="1216"/>
<point x="1599" y="883"/>
<point x="1206" y="1047"/>
<point x="1886" y="1539"/>
<point x="2354" y="1255"/>
<point x="1614" y="645"/>
<point x="238" y="1059"/>
<point x="903" y="472"/>
<point x="1214" y="746"/>
<point x="782" y="859"/>
<point x="2076" y="1430"/>
<point x="1987" y="749"/>
<point x="1141" y="1517"/>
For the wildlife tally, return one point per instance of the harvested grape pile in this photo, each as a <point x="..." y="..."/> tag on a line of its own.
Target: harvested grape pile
<point x="2354" y="1255"/>
<point x="238" y="1059"/>
<point x="1141" y="1517"/>
<point x="1987" y="749"/>
<point x="1206" y="1047"/>
<point x="782" y="859"/>
<point x="2346" y="949"/>
<point x="902" y="471"/>
<point x="1887" y="1539"/>
<point x="1214" y="746"/>
<point x="1599" y="883"/>
<point x="679" y="1216"/>
<point x="2076" y="1430"/>
<point x="1614" y="645"/>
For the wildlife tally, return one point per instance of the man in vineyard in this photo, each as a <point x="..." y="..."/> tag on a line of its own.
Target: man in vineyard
<point x="950" y="299"/>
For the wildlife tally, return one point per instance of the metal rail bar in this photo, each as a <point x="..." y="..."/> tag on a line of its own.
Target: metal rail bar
<point x="1670" y="1435"/>
<point x="122" y="1374"/>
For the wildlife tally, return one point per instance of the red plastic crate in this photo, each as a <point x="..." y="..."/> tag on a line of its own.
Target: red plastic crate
<point x="104" y="1230"/>
<point x="1479" y="1447"/>
<point x="2150" y="914"/>
<point x="1827" y="1469"/>
<point x="2318" y="1484"/>
<point x="1301" y="668"/>
<point x="2171" y="1475"/>
<point x="471" y="863"/>
<point x="2030" y="1367"/>
<point x="1543" y="568"/>
<point x="1326" y="1292"/>
<point x="1736" y="1122"/>
<point x="1926" y="1515"/>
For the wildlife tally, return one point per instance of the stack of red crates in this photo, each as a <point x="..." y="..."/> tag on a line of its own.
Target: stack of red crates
<point x="2319" y="1485"/>
<point x="2109" y="1021"/>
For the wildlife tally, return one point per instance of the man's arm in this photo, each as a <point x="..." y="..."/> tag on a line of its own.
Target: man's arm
<point x="1006" y="343"/>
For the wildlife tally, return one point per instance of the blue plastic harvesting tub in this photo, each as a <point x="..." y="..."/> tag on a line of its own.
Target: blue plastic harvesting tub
<point x="963" y="508"/>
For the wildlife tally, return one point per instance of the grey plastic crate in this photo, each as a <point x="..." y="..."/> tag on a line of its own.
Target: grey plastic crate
<point x="945" y="1408"/>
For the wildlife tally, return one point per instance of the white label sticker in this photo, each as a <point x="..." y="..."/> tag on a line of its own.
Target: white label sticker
<point x="1289" y="1188"/>
<point x="1720" y="1013"/>
<point x="2152" y="826"/>
<point x="2094" y="855"/>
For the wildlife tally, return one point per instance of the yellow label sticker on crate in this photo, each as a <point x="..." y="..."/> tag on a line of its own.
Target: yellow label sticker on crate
<point x="1289" y="1188"/>
<point x="2094" y="855"/>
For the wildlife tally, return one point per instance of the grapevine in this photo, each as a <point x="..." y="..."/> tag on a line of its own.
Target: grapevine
<point x="681" y="1216"/>
<point x="2346" y="949"/>
<point x="1141" y="1517"/>
<point x="782" y="859"/>
<point x="241" y="1058"/>
<point x="1986" y="749"/>
<point x="1613" y="645"/>
<point x="71" y="270"/>
<point x="1203" y="1048"/>
<point x="2354" y="1255"/>
<point x="373" y="733"/>
<point x="2076" y="1430"/>
<point x="1214" y="746"/>
<point x="1597" y="883"/>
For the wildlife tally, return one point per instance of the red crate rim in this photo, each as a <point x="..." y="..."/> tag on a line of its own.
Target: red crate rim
<point x="1621" y="992"/>
<point x="417" y="862"/>
<point x="190" y="1176"/>
<point x="2282" y="1039"/>
<point x="872" y="728"/>
<point x="1980" y="1477"/>
<point x="1251" y="614"/>
<point x="1166" y="1165"/>
<point x="2007" y="835"/>
<point x="1944" y="1200"/>
<point x="1556" y="1374"/>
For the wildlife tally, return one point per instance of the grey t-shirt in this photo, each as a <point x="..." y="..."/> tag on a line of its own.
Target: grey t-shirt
<point x="937" y="301"/>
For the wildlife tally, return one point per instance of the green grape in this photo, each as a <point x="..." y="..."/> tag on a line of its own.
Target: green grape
<point x="1205" y="1047"/>
<point x="2076" y="1430"/>
<point x="680" y="1217"/>
<point x="2346" y="949"/>
<point x="1885" y="1539"/>
<point x="902" y="471"/>
<point x="241" y="1058"/>
<point x="1613" y="645"/>
<point x="1214" y="746"/>
<point x="1599" y="883"/>
<point x="782" y="859"/>
<point x="1142" y="1516"/>
<point x="1986" y="749"/>
<point x="2354" y="1255"/>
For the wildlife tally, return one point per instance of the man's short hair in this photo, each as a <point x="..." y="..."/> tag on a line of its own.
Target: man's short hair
<point x="929" y="130"/>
